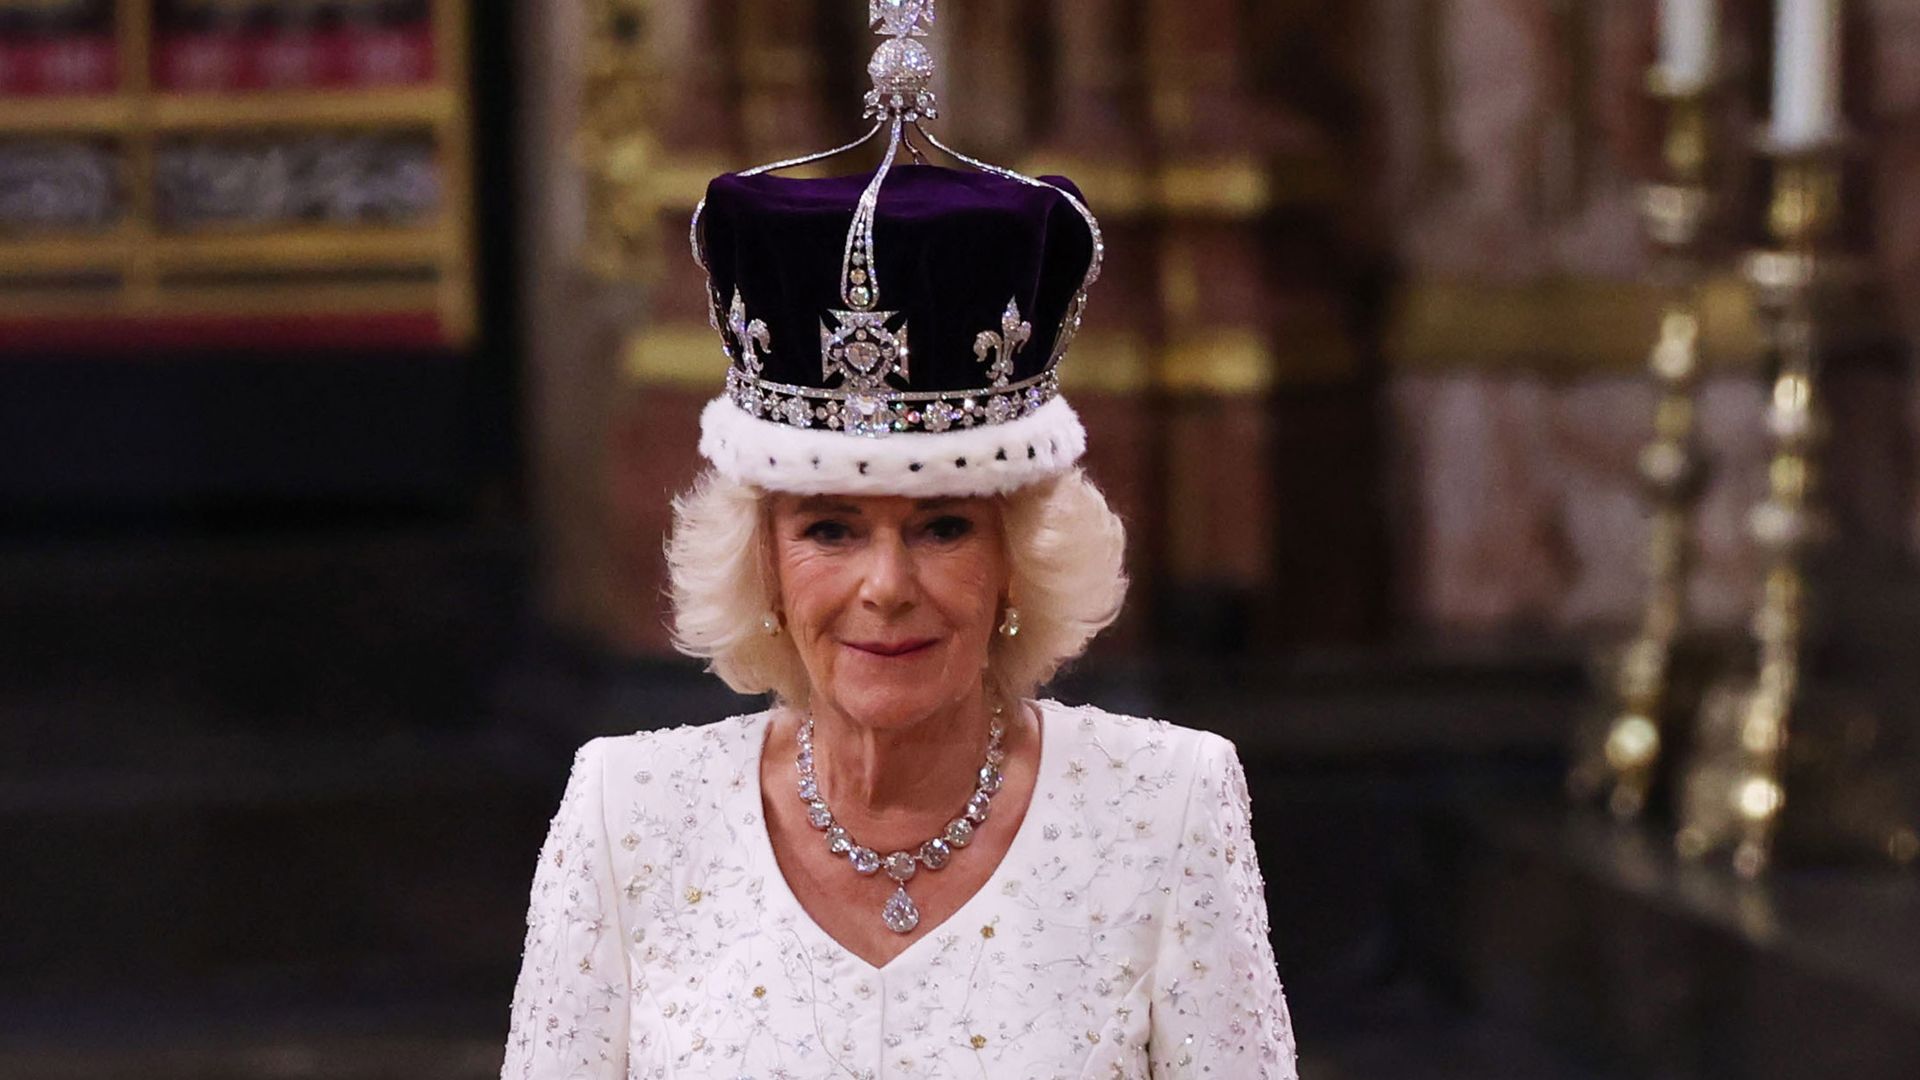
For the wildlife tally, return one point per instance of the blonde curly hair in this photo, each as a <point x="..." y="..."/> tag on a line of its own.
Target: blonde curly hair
<point x="1065" y="546"/>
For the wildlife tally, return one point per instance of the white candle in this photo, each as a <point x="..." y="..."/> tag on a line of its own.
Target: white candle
<point x="1689" y="41"/>
<point x="1806" y="72"/>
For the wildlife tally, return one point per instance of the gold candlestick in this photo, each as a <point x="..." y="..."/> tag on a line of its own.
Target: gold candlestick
<point x="1772" y="742"/>
<point x="1735" y="790"/>
<point x="1620" y="752"/>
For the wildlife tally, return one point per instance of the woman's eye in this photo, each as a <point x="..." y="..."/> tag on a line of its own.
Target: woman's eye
<point x="827" y="532"/>
<point x="949" y="528"/>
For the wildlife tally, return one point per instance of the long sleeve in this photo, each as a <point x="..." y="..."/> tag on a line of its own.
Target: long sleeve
<point x="1217" y="1007"/>
<point x="569" y="1018"/>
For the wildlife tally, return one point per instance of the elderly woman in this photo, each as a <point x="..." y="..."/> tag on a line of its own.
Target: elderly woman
<point x="908" y="866"/>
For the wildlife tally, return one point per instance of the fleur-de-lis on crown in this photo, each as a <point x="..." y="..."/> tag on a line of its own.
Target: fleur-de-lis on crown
<point x="1002" y="344"/>
<point x="901" y="18"/>
<point x="751" y="337"/>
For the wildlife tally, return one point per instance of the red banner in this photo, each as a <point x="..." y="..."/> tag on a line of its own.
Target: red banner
<point x="335" y="59"/>
<point x="59" y="66"/>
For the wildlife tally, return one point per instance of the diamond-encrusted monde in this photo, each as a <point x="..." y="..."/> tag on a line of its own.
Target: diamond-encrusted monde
<point x="901" y="66"/>
<point x="900" y="913"/>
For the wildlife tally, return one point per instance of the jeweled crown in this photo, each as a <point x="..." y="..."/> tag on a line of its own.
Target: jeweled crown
<point x="915" y="300"/>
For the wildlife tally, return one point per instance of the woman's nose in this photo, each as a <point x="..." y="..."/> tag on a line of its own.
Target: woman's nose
<point x="889" y="585"/>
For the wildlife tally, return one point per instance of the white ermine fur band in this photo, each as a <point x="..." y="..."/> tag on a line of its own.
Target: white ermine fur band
<point x="991" y="459"/>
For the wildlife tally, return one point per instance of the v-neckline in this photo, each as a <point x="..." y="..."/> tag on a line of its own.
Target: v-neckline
<point x="1022" y="838"/>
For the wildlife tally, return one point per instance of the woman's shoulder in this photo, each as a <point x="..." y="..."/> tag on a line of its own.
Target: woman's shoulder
<point x="686" y="747"/>
<point x="1118" y="736"/>
<point x="1132" y="780"/>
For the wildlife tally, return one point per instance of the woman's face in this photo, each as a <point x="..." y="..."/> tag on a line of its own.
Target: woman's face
<point x="892" y="602"/>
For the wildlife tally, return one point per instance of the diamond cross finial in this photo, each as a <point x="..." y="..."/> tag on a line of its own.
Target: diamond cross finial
<point x="902" y="68"/>
<point x="901" y="18"/>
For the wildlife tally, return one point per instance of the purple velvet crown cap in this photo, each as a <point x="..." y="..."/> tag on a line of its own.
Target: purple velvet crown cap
<point x="951" y="247"/>
<point x="919" y="360"/>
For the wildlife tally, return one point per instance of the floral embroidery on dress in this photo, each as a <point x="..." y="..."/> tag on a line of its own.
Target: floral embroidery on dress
<point x="569" y="1015"/>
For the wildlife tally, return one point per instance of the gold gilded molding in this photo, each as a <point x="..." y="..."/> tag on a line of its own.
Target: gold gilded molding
<point x="631" y="178"/>
<point x="1111" y="187"/>
<point x="679" y="182"/>
<point x="1245" y="361"/>
<point x="1225" y="187"/>
<point x="1226" y="361"/>
<point x="1107" y="362"/>
<point x="615" y="142"/>
<point x="1559" y="327"/>
<point x="1229" y="188"/>
<point x="684" y="355"/>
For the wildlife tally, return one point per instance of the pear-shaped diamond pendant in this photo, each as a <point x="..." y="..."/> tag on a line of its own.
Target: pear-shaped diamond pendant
<point x="900" y="914"/>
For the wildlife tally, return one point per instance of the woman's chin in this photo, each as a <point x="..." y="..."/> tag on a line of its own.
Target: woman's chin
<point x="899" y="689"/>
<point x="892" y="703"/>
<point x="884" y="710"/>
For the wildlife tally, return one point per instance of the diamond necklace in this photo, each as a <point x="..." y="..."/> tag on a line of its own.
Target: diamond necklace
<point x="900" y="913"/>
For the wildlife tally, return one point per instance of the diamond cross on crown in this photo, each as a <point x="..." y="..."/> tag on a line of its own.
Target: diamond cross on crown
<point x="901" y="18"/>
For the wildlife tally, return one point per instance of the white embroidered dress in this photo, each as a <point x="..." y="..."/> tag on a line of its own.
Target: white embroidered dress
<point x="1123" y="935"/>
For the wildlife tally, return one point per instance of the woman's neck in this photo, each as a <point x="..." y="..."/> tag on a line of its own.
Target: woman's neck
<point x="900" y="774"/>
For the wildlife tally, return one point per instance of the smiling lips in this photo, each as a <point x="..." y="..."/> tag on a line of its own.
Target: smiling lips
<point x="892" y="648"/>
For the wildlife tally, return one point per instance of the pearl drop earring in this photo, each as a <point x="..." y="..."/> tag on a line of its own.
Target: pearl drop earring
<point x="771" y="624"/>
